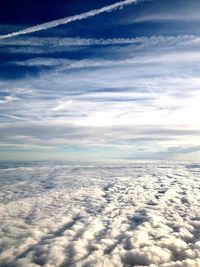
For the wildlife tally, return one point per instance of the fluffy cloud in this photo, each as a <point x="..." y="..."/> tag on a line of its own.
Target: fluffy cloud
<point x="100" y="215"/>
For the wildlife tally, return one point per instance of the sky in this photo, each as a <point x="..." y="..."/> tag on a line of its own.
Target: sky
<point x="99" y="79"/>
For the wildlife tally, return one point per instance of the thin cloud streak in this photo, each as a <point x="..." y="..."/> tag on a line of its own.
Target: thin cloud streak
<point x="183" y="40"/>
<point x="179" y="57"/>
<point x="66" y="20"/>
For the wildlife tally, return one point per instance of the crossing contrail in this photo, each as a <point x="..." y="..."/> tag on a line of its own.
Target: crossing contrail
<point x="66" y="20"/>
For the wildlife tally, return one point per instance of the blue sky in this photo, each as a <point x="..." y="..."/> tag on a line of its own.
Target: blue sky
<point x="120" y="84"/>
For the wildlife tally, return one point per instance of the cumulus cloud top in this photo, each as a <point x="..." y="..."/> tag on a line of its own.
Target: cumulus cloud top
<point x="113" y="214"/>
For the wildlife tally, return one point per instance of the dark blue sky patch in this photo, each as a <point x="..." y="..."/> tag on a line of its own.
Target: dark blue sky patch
<point x="17" y="72"/>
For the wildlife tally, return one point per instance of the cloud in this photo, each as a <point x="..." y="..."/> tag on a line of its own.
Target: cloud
<point x="126" y="141"/>
<point x="167" y="14"/>
<point x="164" y="58"/>
<point x="6" y="99"/>
<point x="193" y="16"/>
<point x="67" y="20"/>
<point x="65" y="41"/>
<point x="80" y="102"/>
<point x="152" y="82"/>
<point x="12" y="117"/>
<point x="99" y="214"/>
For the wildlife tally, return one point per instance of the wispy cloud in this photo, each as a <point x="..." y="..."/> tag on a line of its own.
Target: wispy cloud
<point x="77" y="41"/>
<point x="61" y="134"/>
<point x="122" y="48"/>
<point x="13" y="117"/>
<point x="168" y="57"/>
<point x="66" y="20"/>
<point x="158" y="17"/>
<point x="94" y="92"/>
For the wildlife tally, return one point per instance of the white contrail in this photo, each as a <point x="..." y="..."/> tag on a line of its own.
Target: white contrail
<point x="67" y="20"/>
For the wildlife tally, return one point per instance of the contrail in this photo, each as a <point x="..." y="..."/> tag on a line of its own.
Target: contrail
<point x="66" y="20"/>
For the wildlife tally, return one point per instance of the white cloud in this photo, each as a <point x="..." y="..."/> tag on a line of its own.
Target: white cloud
<point x="84" y="100"/>
<point x="46" y="45"/>
<point x="189" y="16"/>
<point x="54" y="215"/>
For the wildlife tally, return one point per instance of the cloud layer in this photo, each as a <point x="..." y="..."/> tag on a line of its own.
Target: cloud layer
<point x="113" y="214"/>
